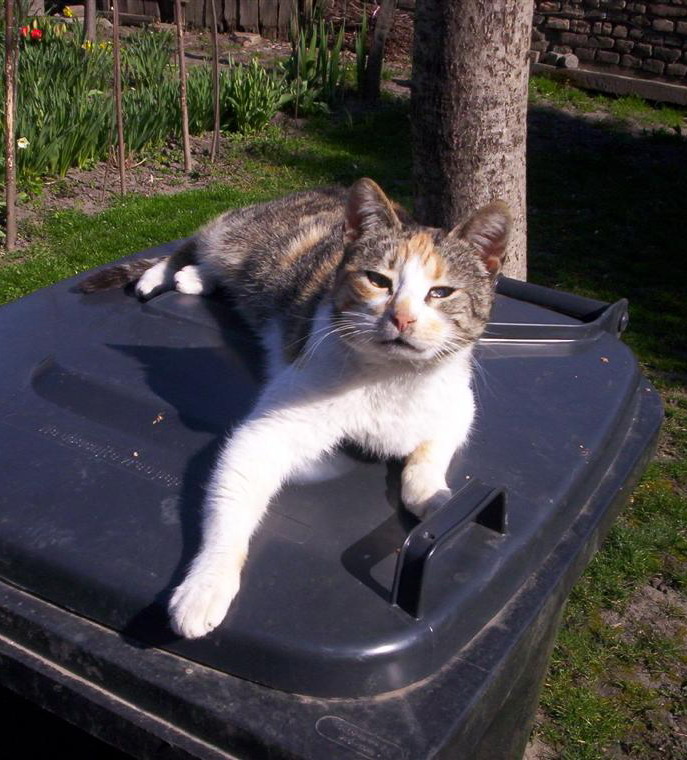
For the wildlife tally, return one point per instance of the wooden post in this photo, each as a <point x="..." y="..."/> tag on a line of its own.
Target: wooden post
<point x="375" y="58"/>
<point x="89" y="21"/>
<point x="286" y="10"/>
<point x="215" y="83"/>
<point x="182" y="86"/>
<point x="118" y="96"/>
<point x="248" y="15"/>
<point x="10" y="167"/>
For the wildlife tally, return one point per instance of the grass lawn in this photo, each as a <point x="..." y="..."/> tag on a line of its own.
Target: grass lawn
<point x="607" y="207"/>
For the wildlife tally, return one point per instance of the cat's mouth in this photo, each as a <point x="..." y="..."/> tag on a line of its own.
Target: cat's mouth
<point x="400" y="342"/>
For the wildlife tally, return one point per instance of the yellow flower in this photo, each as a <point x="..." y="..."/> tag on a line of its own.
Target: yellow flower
<point x="22" y="143"/>
<point x="87" y="45"/>
<point x="67" y="12"/>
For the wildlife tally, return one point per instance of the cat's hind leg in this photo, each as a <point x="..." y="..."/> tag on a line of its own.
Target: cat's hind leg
<point x="161" y="277"/>
<point x="190" y="280"/>
<point x="156" y="280"/>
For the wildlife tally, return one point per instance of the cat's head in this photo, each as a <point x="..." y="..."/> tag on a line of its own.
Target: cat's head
<point x="411" y="293"/>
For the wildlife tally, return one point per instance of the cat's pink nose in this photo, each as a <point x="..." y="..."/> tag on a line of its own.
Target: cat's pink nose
<point x="401" y="320"/>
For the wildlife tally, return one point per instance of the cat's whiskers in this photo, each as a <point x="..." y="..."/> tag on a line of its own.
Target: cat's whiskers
<point x="342" y="330"/>
<point x="448" y="347"/>
<point x="488" y="384"/>
<point x="306" y="338"/>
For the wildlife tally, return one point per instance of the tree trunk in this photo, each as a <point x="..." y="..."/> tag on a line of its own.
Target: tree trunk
<point x="373" y="71"/>
<point x="89" y="20"/>
<point x="468" y="112"/>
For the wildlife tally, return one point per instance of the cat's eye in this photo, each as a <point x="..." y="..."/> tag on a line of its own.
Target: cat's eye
<point x="440" y="292"/>
<point x="379" y="280"/>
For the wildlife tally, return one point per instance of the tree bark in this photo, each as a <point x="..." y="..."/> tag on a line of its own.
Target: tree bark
<point x="468" y="112"/>
<point x="375" y="58"/>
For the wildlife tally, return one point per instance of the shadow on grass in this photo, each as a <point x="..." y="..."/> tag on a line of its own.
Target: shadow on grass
<point x="606" y="215"/>
<point x="341" y="149"/>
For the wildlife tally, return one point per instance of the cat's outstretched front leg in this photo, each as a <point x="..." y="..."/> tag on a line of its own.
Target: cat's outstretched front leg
<point x="258" y="458"/>
<point x="423" y="481"/>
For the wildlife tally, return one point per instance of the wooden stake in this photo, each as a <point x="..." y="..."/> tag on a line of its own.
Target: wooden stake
<point x="375" y="58"/>
<point x="89" y="20"/>
<point x="118" y="96"/>
<point x="215" y="83"/>
<point x="10" y="144"/>
<point x="182" y="86"/>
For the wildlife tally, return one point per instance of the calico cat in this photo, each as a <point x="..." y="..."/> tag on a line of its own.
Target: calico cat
<point x="368" y="321"/>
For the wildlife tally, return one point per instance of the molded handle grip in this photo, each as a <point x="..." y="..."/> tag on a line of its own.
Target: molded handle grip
<point x="476" y="502"/>
<point x="596" y="317"/>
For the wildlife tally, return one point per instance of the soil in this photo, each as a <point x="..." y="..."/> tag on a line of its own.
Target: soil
<point x="93" y="190"/>
<point x="657" y="610"/>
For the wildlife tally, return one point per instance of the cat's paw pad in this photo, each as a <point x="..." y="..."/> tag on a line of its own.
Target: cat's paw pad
<point x="153" y="281"/>
<point x="201" y="602"/>
<point x="188" y="280"/>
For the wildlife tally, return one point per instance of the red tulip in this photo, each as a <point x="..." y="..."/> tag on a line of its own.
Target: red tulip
<point x="24" y="31"/>
<point x="36" y="34"/>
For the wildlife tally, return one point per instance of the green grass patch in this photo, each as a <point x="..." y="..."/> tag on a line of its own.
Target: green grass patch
<point x="545" y="90"/>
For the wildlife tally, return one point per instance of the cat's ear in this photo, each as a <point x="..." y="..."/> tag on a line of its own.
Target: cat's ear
<point x="367" y="209"/>
<point x="487" y="231"/>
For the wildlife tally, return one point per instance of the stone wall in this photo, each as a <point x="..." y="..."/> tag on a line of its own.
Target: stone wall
<point x="647" y="38"/>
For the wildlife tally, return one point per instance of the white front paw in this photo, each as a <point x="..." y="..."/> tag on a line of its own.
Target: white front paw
<point x="423" y="491"/>
<point x="425" y="507"/>
<point x="201" y="602"/>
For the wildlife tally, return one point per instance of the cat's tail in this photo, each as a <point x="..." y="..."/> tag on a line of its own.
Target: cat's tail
<point x="117" y="276"/>
<point x="122" y="274"/>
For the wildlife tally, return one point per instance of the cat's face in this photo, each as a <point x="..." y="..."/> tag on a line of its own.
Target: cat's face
<point x="413" y="293"/>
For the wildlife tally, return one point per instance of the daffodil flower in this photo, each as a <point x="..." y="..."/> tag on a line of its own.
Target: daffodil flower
<point x="22" y="143"/>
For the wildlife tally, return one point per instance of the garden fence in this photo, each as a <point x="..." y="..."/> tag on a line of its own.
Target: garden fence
<point x="270" y="18"/>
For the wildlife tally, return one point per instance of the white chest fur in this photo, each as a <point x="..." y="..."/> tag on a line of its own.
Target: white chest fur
<point x="392" y="416"/>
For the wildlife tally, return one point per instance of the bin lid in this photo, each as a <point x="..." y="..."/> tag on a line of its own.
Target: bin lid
<point x="111" y="414"/>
